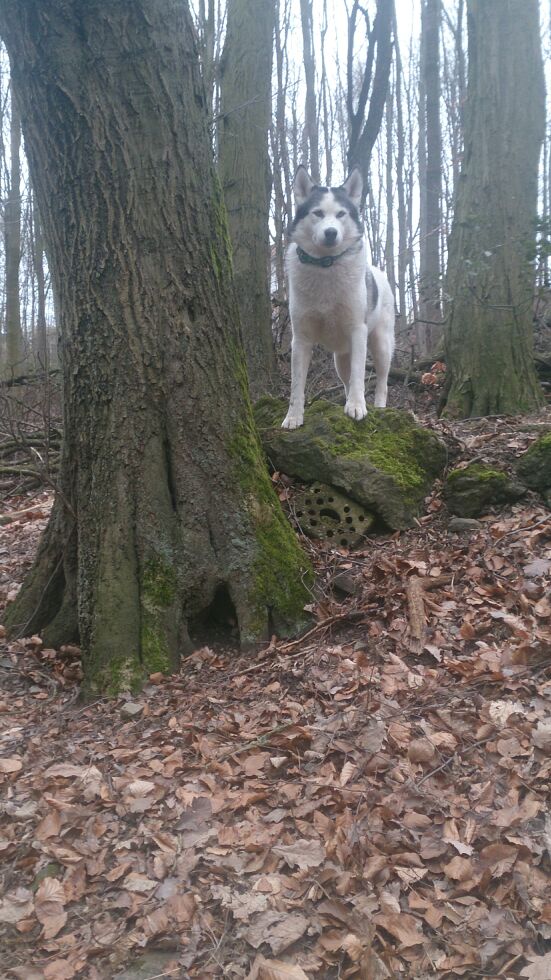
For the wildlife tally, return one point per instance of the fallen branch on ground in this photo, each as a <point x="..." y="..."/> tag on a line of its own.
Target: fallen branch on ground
<point x="415" y="589"/>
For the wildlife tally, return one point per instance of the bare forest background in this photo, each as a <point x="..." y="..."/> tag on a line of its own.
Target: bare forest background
<point x="331" y="89"/>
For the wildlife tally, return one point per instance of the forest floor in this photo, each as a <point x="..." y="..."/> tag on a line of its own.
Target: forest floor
<point x="368" y="801"/>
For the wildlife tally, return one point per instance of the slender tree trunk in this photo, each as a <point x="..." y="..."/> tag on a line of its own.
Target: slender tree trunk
<point x="165" y="502"/>
<point x="280" y="150"/>
<point x="365" y="123"/>
<point x="310" y="140"/>
<point x="12" y="245"/>
<point x="325" y="101"/>
<point x="41" y="351"/>
<point x="389" y="185"/>
<point x="400" y="187"/>
<point x="244" y="167"/>
<point x="490" y="276"/>
<point x="430" y="174"/>
<point x="206" y="34"/>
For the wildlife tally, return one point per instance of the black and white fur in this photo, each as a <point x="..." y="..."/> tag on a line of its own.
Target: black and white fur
<point x="335" y="297"/>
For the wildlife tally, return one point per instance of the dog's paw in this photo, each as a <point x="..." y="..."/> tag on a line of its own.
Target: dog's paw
<point x="292" y="421"/>
<point x="356" y="409"/>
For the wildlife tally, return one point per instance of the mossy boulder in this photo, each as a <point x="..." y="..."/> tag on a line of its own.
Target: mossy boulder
<point x="473" y="490"/>
<point x="386" y="462"/>
<point x="534" y="467"/>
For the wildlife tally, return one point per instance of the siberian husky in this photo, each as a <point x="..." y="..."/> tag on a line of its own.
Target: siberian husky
<point x="335" y="297"/>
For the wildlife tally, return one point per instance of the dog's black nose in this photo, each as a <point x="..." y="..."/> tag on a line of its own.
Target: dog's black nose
<point x="330" y="235"/>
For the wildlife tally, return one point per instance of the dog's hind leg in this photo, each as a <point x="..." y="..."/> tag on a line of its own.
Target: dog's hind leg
<point x="381" y="346"/>
<point x="342" y="367"/>
<point x="301" y="353"/>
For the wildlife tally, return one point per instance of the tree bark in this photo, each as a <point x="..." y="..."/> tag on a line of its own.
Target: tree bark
<point x="389" y="188"/>
<point x="41" y="336"/>
<point x="310" y="149"/>
<point x="401" y="188"/>
<point x="490" y="272"/>
<point x="364" y="127"/>
<point x="12" y="246"/>
<point x="206" y="45"/>
<point x="164" y="502"/>
<point x="244" y="167"/>
<point x="430" y="174"/>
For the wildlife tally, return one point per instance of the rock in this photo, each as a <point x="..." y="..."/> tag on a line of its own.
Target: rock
<point x="461" y="524"/>
<point x="346" y="583"/>
<point x="386" y="462"/>
<point x="471" y="491"/>
<point x="534" y="467"/>
<point x="131" y="709"/>
<point x="323" y="513"/>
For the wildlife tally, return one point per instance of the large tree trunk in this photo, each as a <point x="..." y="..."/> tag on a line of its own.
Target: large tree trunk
<point x="165" y="504"/>
<point x="244" y="167"/>
<point x="12" y="246"/>
<point x="490" y="276"/>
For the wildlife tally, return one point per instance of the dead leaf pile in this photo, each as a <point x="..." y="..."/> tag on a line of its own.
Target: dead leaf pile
<point x="337" y="806"/>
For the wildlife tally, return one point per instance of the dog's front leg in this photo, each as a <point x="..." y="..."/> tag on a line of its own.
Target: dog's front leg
<point x="301" y="353"/>
<point x="355" y="403"/>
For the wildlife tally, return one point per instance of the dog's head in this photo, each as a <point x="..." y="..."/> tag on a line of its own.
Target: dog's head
<point x="326" y="219"/>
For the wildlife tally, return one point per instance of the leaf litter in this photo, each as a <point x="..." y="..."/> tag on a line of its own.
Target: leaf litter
<point x="367" y="801"/>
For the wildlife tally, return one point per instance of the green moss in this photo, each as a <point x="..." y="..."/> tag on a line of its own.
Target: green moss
<point x="534" y="467"/>
<point x="269" y="412"/>
<point x="470" y="491"/>
<point x="240" y="372"/>
<point x="158" y="593"/>
<point x="158" y="584"/>
<point x="478" y="472"/>
<point x="155" y="653"/>
<point x="544" y="442"/>
<point x="385" y="438"/>
<point x="121" y="674"/>
<point x="281" y="573"/>
<point x="386" y="462"/>
<point x="221" y="252"/>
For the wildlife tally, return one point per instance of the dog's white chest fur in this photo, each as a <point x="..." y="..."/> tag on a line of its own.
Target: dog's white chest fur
<point x="335" y="298"/>
<point x="329" y="303"/>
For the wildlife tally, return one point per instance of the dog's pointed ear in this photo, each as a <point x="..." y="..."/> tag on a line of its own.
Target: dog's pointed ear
<point x="353" y="186"/>
<point x="302" y="186"/>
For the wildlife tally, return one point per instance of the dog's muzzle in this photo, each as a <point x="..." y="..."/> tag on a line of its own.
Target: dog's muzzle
<point x="330" y="236"/>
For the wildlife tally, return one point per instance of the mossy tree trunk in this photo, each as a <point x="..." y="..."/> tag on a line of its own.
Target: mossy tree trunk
<point x="164" y="497"/>
<point x="244" y="167"/>
<point x="490" y="276"/>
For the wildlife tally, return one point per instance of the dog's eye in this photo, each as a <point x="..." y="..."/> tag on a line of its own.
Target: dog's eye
<point x="318" y="213"/>
<point x="341" y="214"/>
